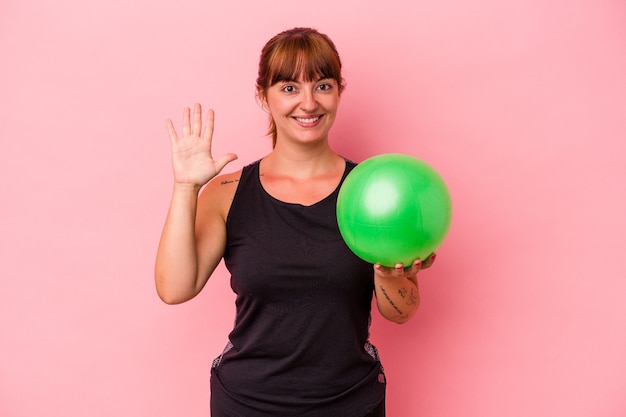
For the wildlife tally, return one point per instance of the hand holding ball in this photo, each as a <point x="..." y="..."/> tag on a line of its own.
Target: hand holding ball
<point x="393" y="208"/>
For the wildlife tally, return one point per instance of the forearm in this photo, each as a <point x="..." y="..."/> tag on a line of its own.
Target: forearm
<point x="397" y="297"/>
<point x="176" y="268"/>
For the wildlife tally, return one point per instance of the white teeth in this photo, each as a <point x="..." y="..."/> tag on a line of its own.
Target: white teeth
<point x="310" y="120"/>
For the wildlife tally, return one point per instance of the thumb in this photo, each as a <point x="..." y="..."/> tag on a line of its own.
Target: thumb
<point x="223" y="160"/>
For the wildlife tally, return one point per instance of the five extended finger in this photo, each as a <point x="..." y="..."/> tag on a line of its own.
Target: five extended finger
<point x="186" y="121"/>
<point x="171" y="131"/>
<point x="208" y="128"/>
<point x="197" y="120"/>
<point x="221" y="162"/>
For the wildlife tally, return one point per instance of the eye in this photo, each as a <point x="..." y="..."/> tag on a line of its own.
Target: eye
<point x="289" y="88"/>
<point x="325" y="86"/>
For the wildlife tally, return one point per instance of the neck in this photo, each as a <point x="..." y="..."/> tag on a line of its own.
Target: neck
<point x="301" y="161"/>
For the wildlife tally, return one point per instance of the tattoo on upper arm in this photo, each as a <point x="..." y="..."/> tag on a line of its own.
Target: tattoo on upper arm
<point x="228" y="182"/>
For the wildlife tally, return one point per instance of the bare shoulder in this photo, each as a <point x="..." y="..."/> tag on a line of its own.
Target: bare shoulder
<point x="219" y="193"/>
<point x="227" y="181"/>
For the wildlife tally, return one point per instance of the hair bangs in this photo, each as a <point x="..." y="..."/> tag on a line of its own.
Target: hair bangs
<point x="303" y="59"/>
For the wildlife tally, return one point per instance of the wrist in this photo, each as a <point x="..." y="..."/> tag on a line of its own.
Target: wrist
<point x="187" y="187"/>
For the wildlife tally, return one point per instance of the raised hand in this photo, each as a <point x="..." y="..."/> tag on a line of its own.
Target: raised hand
<point x="192" y="161"/>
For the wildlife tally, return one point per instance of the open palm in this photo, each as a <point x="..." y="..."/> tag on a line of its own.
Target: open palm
<point x="192" y="161"/>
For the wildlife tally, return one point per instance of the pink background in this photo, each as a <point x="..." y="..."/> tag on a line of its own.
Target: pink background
<point x="519" y="104"/>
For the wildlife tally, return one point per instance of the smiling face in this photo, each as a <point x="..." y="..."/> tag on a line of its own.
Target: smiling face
<point x="300" y="82"/>
<point x="303" y="111"/>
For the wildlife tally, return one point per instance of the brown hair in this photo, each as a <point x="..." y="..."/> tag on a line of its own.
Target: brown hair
<point x="295" y="53"/>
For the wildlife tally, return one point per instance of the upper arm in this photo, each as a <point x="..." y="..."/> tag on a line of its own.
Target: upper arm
<point x="213" y="206"/>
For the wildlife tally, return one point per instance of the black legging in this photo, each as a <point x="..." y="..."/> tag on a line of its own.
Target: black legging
<point x="379" y="411"/>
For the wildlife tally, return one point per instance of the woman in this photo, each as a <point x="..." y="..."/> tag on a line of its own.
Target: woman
<point x="300" y="344"/>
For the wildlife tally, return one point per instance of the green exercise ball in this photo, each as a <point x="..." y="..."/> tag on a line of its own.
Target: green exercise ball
<point x="393" y="208"/>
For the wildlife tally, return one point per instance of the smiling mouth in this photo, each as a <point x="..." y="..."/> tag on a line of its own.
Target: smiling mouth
<point x="308" y="120"/>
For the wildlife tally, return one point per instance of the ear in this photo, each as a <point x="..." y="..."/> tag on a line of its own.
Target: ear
<point x="260" y="94"/>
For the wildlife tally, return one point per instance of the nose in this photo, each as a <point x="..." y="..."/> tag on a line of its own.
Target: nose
<point x="308" y="102"/>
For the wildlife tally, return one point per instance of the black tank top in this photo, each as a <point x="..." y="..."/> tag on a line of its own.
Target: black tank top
<point x="300" y="344"/>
